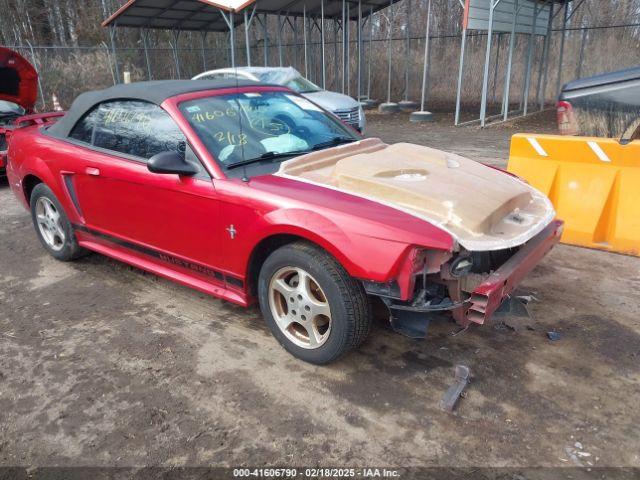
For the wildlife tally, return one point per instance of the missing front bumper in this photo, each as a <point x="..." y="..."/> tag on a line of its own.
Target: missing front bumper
<point x="488" y="296"/>
<point x="412" y="318"/>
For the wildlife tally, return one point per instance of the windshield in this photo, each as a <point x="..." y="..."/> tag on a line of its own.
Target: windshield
<point x="290" y="78"/>
<point x="266" y="126"/>
<point x="10" y="108"/>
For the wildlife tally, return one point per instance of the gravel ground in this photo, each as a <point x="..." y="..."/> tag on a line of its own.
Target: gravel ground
<point x="104" y="365"/>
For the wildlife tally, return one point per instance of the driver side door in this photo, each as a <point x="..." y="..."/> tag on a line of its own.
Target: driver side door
<point x="170" y="217"/>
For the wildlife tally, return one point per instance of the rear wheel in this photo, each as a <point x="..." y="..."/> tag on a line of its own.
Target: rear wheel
<point x="311" y="304"/>
<point x="52" y="225"/>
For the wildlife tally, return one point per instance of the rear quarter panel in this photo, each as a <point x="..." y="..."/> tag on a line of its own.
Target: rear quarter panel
<point x="33" y="153"/>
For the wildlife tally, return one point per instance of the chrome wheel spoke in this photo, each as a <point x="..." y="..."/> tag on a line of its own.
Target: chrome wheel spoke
<point x="48" y="237"/>
<point x="59" y="233"/>
<point x="49" y="211"/>
<point x="319" y="308"/>
<point x="303" y="281"/>
<point x="283" y="287"/>
<point x="314" y="337"/>
<point x="285" y="321"/>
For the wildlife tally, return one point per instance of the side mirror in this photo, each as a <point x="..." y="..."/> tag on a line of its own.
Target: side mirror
<point x="171" y="162"/>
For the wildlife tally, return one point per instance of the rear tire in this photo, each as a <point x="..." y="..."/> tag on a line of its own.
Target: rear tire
<point x="313" y="307"/>
<point x="53" y="226"/>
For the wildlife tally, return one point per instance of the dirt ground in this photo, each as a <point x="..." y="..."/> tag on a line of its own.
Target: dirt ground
<point x="104" y="365"/>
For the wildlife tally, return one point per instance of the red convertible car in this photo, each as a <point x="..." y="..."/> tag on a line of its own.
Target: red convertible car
<point x="251" y="192"/>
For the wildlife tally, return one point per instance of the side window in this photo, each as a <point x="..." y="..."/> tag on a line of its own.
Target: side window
<point x="136" y="128"/>
<point x="212" y="76"/>
<point x="83" y="130"/>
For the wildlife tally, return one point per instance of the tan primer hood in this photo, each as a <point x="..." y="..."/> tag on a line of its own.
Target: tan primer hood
<point x="482" y="208"/>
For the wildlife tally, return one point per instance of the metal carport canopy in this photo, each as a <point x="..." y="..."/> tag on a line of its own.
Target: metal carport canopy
<point x="181" y="15"/>
<point x="206" y="16"/>
<point x="313" y="8"/>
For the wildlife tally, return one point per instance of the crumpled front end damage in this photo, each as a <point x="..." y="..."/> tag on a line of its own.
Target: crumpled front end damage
<point x="501" y="226"/>
<point x="469" y="285"/>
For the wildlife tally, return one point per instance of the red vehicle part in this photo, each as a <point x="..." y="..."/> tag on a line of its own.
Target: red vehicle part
<point x="37" y="119"/>
<point x="491" y="293"/>
<point x="21" y="122"/>
<point x="19" y="85"/>
<point x="567" y="124"/>
<point x="18" y="80"/>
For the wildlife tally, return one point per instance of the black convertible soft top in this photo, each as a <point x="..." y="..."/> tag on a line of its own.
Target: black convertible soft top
<point x="154" y="92"/>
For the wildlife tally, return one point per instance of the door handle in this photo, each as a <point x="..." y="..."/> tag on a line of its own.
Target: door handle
<point x="92" y="171"/>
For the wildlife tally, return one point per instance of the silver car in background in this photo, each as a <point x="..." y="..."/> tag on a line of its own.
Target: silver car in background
<point x="344" y="107"/>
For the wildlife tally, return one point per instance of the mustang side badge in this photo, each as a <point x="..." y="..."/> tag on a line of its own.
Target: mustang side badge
<point x="232" y="231"/>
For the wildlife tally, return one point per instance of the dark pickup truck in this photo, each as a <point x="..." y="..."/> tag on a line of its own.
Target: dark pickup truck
<point x="606" y="105"/>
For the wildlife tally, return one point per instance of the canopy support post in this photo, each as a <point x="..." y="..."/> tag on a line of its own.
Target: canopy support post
<point x="344" y="46"/>
<point x="369" y="53"/>
<point x="389" y="38"/>
<point x="336" y="26"/>
<point x="527" y="79"/>
<point x="487" y="60"/>
<point x="507" y="78"/>
<point x="359" y="83"/>
<point x="495" y="69"/>
<point x="407" y="44"/>
<point x="144" y="33"/>
<point x="112" y="35"/>
<point x="248" y="20"/>
<point x="424" y="115"/>
<point x="324" y="70"/>
<point x="279" y="33"/>
<point x="174" y="47"/>
<point x="265" y="34"/>
<point x="232" y="37"/>
<point x="460" y="75"/>
<point x="561" y="56"/>
<point x="581" y="57"/>
<point x="347" y="31"/>
<point x="388" y="106"/>
<point x="304" y="34"/>
<point x="296" y="53"/>
<point x="542" y="76"/>
<point x="204" y="54"/>
<point x="228" y="18"/>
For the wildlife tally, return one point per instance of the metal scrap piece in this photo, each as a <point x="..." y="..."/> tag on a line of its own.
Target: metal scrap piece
<point x="462" y="375"/>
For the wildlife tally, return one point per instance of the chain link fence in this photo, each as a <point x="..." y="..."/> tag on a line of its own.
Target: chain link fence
<point x="68" y="71"/>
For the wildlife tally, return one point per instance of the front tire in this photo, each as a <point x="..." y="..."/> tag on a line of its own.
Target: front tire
<point x="53" y="226"/>
<point x="313" y="307"/>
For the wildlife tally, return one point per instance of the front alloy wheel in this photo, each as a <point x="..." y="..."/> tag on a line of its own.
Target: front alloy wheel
<point x="313" y="307"/>
<point x="300" y="307"/>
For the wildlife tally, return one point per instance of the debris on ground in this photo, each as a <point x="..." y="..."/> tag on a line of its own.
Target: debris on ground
<point x="513" y="313"/>
<point x="554" y="336"/>
<point x="577" y="455"/>
<point x="455" y="391"/>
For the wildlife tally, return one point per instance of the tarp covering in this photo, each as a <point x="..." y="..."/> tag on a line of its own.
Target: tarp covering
<point x="481" y="207"/>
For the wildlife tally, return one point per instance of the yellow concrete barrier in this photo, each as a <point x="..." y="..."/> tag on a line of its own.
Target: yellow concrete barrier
<point x="594" y="184"/>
